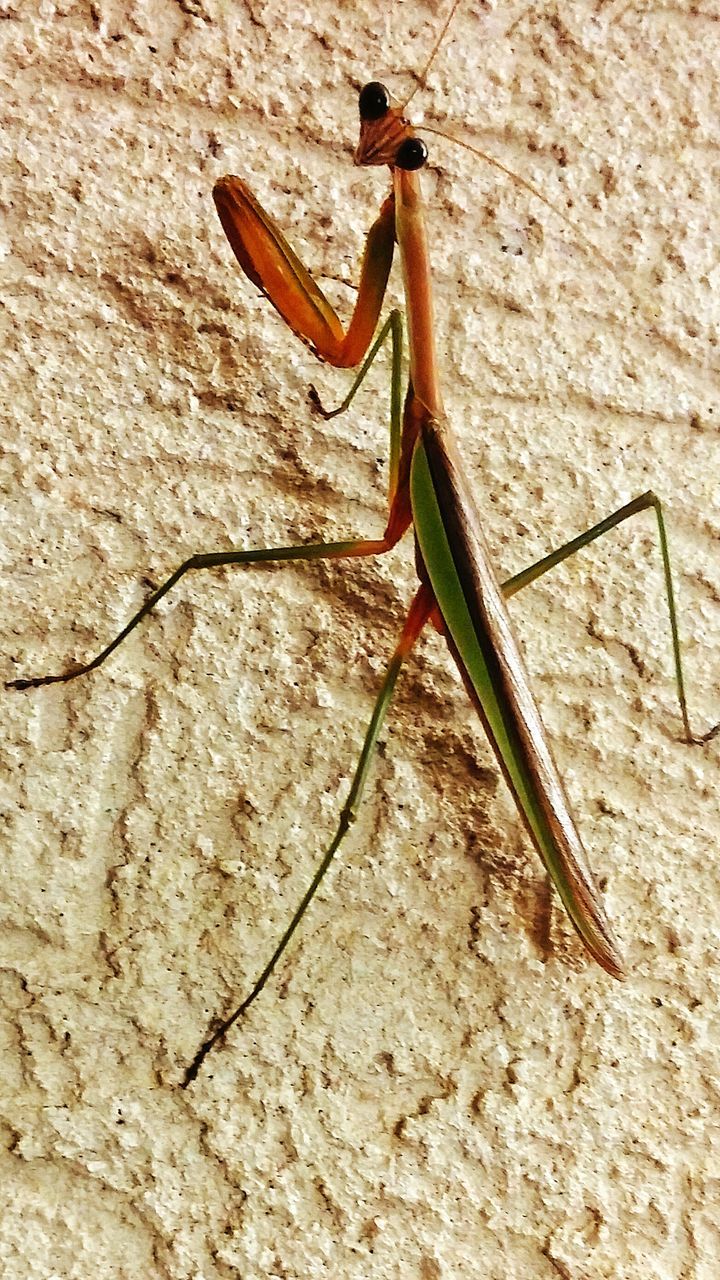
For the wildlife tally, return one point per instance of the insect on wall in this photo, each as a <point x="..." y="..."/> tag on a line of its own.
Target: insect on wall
<point x="172" y="806"/>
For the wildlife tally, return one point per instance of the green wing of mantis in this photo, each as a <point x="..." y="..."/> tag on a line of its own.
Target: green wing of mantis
<point x="482" y="641"/>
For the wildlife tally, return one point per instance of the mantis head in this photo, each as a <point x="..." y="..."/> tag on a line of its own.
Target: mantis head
<point x="386" y="137"/>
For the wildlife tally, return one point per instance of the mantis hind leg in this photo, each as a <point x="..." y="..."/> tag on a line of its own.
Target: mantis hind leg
<point x="644" y="502"/>
<point x="418" y="615"/>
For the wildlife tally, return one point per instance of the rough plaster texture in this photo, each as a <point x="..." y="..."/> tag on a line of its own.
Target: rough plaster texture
<point x="438" y="1083"/>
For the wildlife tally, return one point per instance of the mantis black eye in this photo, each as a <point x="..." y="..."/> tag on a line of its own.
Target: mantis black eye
<point x="411" y="154"/>
<point x="374" y="101"/>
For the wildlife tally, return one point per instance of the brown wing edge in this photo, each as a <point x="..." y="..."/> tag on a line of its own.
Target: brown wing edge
<point x="522" y="722"/>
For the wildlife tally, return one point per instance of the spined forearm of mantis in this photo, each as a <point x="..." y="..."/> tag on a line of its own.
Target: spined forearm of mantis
<point x="458" y="592"/>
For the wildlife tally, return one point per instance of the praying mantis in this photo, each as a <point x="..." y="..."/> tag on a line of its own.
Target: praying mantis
<point x="458" y="593"/>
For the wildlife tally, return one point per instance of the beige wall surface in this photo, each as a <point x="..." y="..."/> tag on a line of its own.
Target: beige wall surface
<point x="437" y="1083"/>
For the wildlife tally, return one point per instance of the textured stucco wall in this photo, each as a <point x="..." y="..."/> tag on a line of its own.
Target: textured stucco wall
<point x="437" y="1084"/>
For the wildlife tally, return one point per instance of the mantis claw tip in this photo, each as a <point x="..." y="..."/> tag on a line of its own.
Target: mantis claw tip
<point x="702" y="739"/>
<point x="316" y="402"/>
<point x="36" y="682"/>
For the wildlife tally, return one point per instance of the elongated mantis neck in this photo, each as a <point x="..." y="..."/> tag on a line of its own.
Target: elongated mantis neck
<point x="415" y="259"/>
